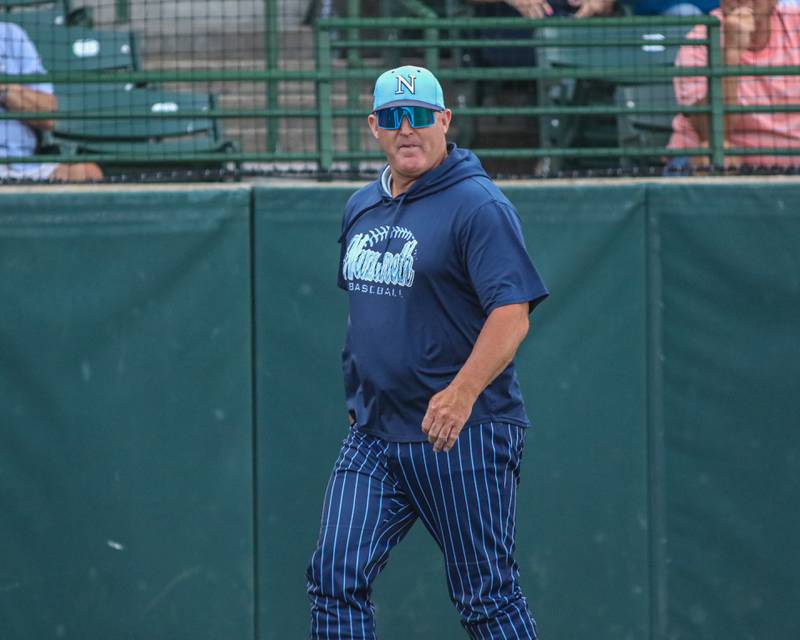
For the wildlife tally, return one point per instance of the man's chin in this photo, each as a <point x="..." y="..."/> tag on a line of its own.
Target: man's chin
<point x="410" y="164"/>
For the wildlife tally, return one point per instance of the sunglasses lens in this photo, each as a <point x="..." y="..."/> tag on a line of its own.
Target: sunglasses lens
<point x="422" y="117"/>
<point x="418" y="117"/>
<point x="388" y="118"/>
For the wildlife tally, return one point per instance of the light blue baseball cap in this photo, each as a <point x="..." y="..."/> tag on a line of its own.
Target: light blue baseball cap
<point x="408" y="86"/>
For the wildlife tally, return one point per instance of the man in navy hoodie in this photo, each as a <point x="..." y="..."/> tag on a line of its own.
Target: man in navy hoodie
<point x="440" y="288"/>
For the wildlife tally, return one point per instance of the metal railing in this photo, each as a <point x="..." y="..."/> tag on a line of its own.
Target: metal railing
<point x="437" y="35"/>
<point x="714" y="71"/>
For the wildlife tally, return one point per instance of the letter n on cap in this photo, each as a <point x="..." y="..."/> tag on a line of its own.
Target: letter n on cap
<point x="410" y="84"/>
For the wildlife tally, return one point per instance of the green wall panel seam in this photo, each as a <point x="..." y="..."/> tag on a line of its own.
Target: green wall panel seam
<point x="254" y="412"/>
<point x="654" y="422"/>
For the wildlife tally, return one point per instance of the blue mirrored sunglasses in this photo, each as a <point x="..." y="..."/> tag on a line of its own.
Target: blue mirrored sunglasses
<point x="418" y="117"/>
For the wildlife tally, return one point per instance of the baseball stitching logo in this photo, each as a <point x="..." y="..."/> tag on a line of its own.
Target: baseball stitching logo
<point x="410" y="84"/>
<point x="362" y="262"/>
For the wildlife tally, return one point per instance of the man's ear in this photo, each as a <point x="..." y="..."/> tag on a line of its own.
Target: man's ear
<point x="373" y="125"/>
<point x="445" y="117"/>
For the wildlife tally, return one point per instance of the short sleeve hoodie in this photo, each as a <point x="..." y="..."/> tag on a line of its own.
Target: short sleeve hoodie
<point x="423" y="271"/>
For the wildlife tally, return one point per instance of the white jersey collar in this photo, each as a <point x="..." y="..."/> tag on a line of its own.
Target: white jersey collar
<point x="386" y="180"/>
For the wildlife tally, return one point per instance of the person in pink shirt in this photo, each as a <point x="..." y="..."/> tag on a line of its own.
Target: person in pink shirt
<point x="758" y="33"/>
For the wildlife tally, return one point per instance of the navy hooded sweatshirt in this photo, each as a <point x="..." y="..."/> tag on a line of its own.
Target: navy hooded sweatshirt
<point x="423" y="271"/>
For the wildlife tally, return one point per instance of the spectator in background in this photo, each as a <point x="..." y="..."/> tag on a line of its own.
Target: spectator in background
<point x="18" y="138"/>
<point x="526" y="57"/>
<point x="758" y="33"/>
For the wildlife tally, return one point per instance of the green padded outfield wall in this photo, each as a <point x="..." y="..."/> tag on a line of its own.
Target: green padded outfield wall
<point x="171" y="406"/>
<point x="583" y="499"/>
<point x="300" y="317"/>
<point x="615" y="537"/>
<point x="125" y="415"/>
<point x="728" y="471"/>
<point x="581" y="526"/>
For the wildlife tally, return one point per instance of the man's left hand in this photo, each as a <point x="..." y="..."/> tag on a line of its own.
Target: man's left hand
<point x="447" y="413"/>
<point x="532" y="8"/>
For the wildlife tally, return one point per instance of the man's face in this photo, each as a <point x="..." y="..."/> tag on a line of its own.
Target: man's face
<point x="413" y="152"/>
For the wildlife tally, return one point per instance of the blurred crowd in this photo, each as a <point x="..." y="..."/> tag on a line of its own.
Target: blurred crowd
<point x="754" y="32"/>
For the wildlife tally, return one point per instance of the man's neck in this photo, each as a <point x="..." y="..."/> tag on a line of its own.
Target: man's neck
<point x="399" y="184"/>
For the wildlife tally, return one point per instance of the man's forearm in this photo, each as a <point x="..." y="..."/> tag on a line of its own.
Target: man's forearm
<point x="497" y="343"/>
<point x="22" y="99"/>
<point x="730" y="95"/>
<point x="738" y="36"/>
<point x="730" y="90"/>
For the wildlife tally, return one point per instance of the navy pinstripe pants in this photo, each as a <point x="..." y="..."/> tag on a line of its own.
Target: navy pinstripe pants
<point x="466" y="499"/>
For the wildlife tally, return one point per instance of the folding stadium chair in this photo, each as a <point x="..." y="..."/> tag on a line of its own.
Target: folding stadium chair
<point x="125" y="102"/>
<point x="11" y="5"/>
<point x="79" y="49"/>
<point x="55" y="16"/>
<point x="643" y="130"/>
<point x="138" y="151"/>
<point x="136" y="138"/>
<point x="30" y="20"/>
<point x="596" y="131"/>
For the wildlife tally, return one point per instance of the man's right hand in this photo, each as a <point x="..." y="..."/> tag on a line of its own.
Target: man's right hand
<point x="532" y="8"/>
<point x="739" y="26"/>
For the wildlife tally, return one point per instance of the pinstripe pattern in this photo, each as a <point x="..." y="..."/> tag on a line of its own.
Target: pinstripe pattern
<point x="466" y="499"/>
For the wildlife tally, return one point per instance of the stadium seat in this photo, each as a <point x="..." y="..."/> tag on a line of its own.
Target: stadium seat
<point x="650" y="54"/>
<point x="125" y="102"/>
<point x="596" y="130"/>
<point x="208" y="143"/>
<point x="150" y="156"/>
<point x="11" y="5"/>
<point x="136" y="138"/>
<point x="30" y="20"/>
<point x="55" y="16"/>
<point x="642" y="130"/>
<point x="80" y="49"/>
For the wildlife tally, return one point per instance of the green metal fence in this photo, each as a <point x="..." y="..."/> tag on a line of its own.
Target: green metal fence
<point x="348" y="53"/>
